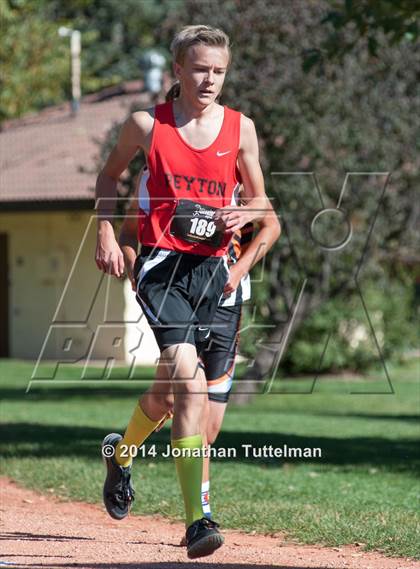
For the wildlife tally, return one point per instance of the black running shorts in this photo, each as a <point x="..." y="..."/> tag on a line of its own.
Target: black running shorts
<point x="218" y="356"/>
<point x="179" y="294"/>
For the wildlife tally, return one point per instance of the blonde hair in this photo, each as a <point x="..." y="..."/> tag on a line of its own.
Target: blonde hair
<point x="193" y="35"/>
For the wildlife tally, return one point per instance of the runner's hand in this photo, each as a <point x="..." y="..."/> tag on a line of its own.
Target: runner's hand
<point x="232" y="218"/>
<point x="235" y="275"/>
<point x="108" y="256"/>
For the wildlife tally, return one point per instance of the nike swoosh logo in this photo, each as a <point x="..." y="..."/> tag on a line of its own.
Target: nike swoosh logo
<point x="222" y="153"/>
<point x="203" y="330"/>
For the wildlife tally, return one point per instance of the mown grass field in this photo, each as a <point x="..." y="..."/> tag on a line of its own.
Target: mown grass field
<point x="363" y="489"/>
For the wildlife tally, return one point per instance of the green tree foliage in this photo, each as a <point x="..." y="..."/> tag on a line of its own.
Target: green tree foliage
<point x="114" y="35"/>
<point x="36" y="61"/>
<point x="356" y="116"/>
<point x="354" y="21"/>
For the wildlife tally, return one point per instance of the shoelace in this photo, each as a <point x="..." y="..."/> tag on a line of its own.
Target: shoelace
<point x="126" y="492"/>
<point x="209" y="523"/>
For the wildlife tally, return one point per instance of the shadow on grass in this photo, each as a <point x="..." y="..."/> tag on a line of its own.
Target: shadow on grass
<point x="52" y="441"/>
<point x="57" y="392"/>
<point x="15" y="380"/>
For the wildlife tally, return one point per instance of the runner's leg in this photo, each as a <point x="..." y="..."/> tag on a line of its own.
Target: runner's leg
<point x="148" y="413"/>
<point x="190" y="391"/>
<point x="219" y="362"/>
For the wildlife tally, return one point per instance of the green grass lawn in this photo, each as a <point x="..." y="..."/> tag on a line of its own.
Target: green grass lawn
<point x="363" y="489"/>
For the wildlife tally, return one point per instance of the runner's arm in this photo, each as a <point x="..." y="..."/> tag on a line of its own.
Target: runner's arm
<point x="134" y="135"/>
<point x="256" y="203"/>
<point x="128" y="235"/>
<point x="269" y="232"/>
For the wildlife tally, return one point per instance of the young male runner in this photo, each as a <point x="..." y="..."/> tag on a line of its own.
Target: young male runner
<point x="218" y="355"/>
<point x="192" y="148"/>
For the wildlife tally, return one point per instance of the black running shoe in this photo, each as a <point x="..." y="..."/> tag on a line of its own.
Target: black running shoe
<point x="203" y="538"/>
<point x="118" y="494"/>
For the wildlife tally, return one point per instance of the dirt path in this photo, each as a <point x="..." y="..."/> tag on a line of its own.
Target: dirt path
<point x="40" y="531"/>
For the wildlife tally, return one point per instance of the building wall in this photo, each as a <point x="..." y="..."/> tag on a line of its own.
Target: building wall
<point x="61" y="306"/>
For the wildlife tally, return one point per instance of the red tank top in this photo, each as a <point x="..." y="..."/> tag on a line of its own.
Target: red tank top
<point x="178" y="171"/>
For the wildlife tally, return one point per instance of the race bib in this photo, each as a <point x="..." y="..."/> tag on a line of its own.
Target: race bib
<point x="194" y="222"/>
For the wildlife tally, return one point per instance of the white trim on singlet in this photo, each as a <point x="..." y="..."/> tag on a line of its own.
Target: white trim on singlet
<point x="235" y="195"/>
<point x="144" y="197"/>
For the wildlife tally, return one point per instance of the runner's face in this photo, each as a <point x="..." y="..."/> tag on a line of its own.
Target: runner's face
<point x="203" y="73"/>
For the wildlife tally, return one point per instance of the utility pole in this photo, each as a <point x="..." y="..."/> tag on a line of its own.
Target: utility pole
<point x="152" y="63"/>
<point x="75" y="50"/>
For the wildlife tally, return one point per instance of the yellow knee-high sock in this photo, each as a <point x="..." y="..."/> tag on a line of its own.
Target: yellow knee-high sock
<point x="138" y="429"/>
<point x="190" y="469"/>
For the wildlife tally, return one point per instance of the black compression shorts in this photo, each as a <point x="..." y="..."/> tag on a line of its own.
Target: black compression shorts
<point x="179" y="294"/>
<point x="218" y="356"/>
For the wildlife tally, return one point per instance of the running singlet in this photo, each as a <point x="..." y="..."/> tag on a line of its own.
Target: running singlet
<point x="191" y="182"/>
<point x="239" y="244"/>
